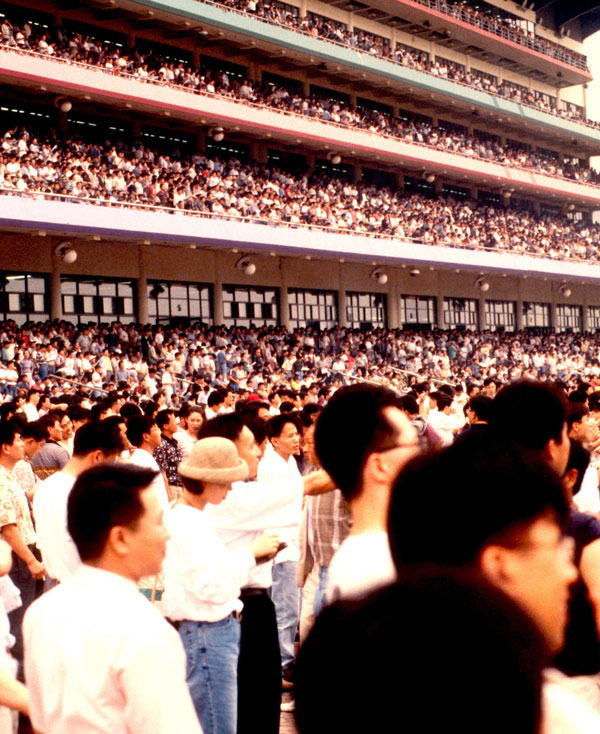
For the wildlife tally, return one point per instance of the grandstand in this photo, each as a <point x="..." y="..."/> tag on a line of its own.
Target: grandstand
<point x="389" y="163"/>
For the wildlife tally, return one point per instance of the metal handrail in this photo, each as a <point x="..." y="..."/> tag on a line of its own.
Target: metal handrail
<point x="586" y="122"/>
<point x="293" y="113"/>
<point x="278" y="223"/>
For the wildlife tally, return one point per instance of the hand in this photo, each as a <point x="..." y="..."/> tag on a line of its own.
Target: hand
<point x="36" y="569"/>
<point x="265" y="545"/>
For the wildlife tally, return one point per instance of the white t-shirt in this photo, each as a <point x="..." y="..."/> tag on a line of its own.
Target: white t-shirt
<point x="100" y="658"/>
<point x="59" y="553"/>
<point x="141" y="457"/>
<point x="362" y="563"/>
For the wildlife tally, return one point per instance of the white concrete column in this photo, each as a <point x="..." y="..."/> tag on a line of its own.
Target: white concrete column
<point x="481" y="309"/>
<point x="142" y="287"/>
<point x="217" y="295"/>
<point x="56" y="311"/>
<point x="284" y="306"/>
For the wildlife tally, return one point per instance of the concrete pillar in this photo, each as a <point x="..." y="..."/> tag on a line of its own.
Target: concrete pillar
<point x="196" y="57"/>
<point x="62" y="122"/>
<point x="350" y="22"/>
<point x="358" y="172"/>
<point x="341" y="296"/>
<point x="200" y="140"/>
<point x="284" y="306"/>
<point x="56" y="311"/>
<point x="217" y="295"/>
<point x="585" y="320"/>
<point x="519" y="314"/>
<point x="135" y="128"/>
<point x="553" y="316"/>
<point x="393" y="303"/>
<point x="482" y="317"/>
<point x="439" y="310"/>
<point x="142" y="287"/>
<point x="303" y="4"/>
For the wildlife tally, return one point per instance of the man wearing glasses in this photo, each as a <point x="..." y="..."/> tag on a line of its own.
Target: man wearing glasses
<point x="363" y="439"/>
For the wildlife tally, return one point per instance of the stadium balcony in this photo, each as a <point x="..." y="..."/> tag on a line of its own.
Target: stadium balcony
<point x="432" y="20"/>
<point x="208" y="24"/>
<point x="91" y="84"/>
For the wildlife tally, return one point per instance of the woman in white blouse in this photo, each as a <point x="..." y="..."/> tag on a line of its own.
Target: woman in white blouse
<point x="203" y="579"/>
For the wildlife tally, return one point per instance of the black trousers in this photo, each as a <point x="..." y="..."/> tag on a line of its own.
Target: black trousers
<point x="259" y="667"/>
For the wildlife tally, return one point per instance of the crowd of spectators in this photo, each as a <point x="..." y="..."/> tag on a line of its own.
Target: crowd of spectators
<point x="508" y="27"/>
<point x="182" y="363"/>
<point x="78" y="47"/>
<point x="42" y="166"/>
<point x="153" y="68"/>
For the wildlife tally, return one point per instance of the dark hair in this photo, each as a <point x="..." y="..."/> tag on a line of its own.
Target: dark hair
<point x="137" y="426"/>
<point x="442" y="399"/>
<point x="351" y="427"/>
<point x="495" y="651"/>
<point x="529" y="414"/>
<point x="9" y="430"/>
<point x="127" y="410"/>
<point x="474" y="492"/>
<point x="480" y="405"/>
<point x="579" y="458"/>
<point x="163" y="416"/>
<point x="228" y="426"/>
<point x="258" y="426"/>
<point x="79" y="413"/>
<point x="216" y="398"/>
<point x="103" y="497"/>
<point x="408" y="404"/>
<point x="576" y="413"/>
<point x="277" y="423"/>
<point x="149" y="408"/>
<point x="97" y="436"/>
<point x="35" y="430"/>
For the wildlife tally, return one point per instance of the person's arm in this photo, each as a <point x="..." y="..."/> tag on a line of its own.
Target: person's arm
<point x="11" y="534"/>
<point x="13" y="693"/>
<point x="318" y="482"/>
<point x="590" y="573"/>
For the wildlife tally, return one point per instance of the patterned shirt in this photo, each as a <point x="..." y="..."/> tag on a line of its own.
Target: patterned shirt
<point x="14" y="508"/>
<point x="168" y="456"/>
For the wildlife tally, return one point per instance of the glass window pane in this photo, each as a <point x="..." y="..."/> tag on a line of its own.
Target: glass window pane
<point x="36" y="285"/>
<point x="86" y="288"/>
<point x="107" y="289"/>
<point x="15" y="283"/>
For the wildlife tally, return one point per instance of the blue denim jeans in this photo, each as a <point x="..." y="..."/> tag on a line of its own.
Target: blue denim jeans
<point x="320" y="602"/>
<point x="286" y="598"/>
<point x="212" y="650"/>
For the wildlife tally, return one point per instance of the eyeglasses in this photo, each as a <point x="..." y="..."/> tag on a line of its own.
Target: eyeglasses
<point x="422" y="444"/>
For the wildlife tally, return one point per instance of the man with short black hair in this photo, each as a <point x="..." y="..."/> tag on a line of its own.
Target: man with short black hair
<point x="363" y="439"/>
<point x="16" y="528"/>
<point x="143" y="433"/>
<point x="167" y="454"/>
<point x="52" y="457"/>
<point x="93" y="444"/>
<point x="120" y="667"/>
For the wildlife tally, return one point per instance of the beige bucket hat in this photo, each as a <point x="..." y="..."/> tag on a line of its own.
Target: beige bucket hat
<point x="214" y="460"/>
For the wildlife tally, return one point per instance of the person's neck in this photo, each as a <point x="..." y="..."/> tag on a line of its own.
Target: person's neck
<point x="192" y="500"/>
<point x="193" y="434"/>
<point x="168" y="434"/>
<point x="145" y="446"/>
<point x="284" y="456"/>
<point x="113" y="565"/>
<point x="8" y="464"/>
<point x="369" y="510"/>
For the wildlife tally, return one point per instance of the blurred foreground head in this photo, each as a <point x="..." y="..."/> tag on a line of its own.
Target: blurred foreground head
<point x="448" y="653"/>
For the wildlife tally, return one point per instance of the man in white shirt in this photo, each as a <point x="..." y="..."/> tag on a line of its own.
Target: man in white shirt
<point x="144" y="434"/>
<point x="279" y="465"/>
<point x="363" y="440"/>
<point x="93" y="443"/>
<point x="247" y="510"/>
<point x="117" y="665"/>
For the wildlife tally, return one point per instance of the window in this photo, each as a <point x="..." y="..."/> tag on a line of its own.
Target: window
<point x="418" y="312"/>
<point x="536" y="316"/>
<point x="366" y="310"/>
<point x="341" y="170"/>
<point x="484" y="76"/>
<point x="374" y="177"/>
<point x="293" y="86"/>
<point x="317" y="309"/>
<point x="169" y="301"/>
<point x="593" y="313"/>
<point x="362" y="103"/>
<point x="291" y="162"/>
<point x="23" y="297"/>
<point x="250" y="306"/>
<point x="233" y="71"/>
<point x="458" y="192"/>
<point x="419" y="53"/>
<point x="453" y="127"/>
<point x="461" y="313"/>
<point x="500" y="315"/>
<point x="331" y="95"/>
<point x="99" y="300"/>
<point x="568" y="317"/>
<point x="418" y="185"/>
